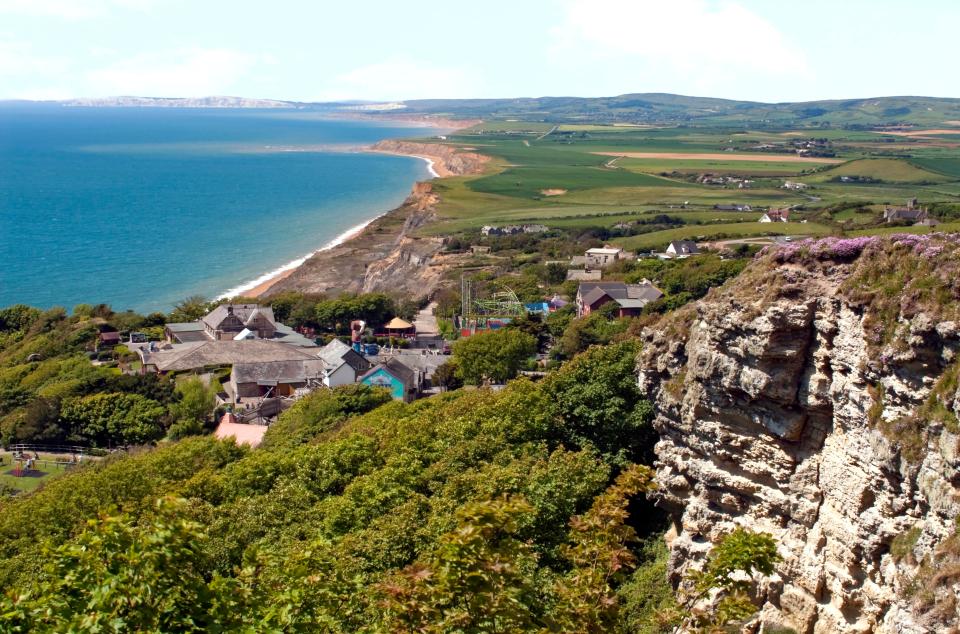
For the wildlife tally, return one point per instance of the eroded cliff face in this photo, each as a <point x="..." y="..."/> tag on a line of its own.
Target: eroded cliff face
<point x="387" y="256"/>
<point x="786" y="406"/>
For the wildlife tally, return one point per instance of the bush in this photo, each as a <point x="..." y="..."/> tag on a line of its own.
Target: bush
<point x="494" y="356"/>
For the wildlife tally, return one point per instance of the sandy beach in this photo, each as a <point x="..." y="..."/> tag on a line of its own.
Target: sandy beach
<point x="262" y="284"/>
<point x="442" y="161"/>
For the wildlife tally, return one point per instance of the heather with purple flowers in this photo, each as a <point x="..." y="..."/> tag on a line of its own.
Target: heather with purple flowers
<point x="830" y="248"/>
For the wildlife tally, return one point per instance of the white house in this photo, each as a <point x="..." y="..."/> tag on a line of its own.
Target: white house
<point x="601" y="257"/>
<point x="342" y="365"/>
<point x="682" y="248"/>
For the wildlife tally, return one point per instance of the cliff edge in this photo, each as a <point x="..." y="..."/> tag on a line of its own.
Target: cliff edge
<point x="816" y="398"/>
<point x="386" y="257"/>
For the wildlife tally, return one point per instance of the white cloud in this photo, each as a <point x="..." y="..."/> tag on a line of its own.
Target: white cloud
<point x="703" y="44"/>
<point x="181" y="73"/>
<point x="401" y="78"/>
<point x="71" y="9"/>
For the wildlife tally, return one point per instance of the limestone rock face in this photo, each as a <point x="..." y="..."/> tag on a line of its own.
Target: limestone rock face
<point x="770" y="408"/>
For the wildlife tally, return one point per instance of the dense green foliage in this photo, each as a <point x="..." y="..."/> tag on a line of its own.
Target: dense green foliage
<point x="335" y="314"/>
<point x="494" y="356"/>
<point x="475" y="510"/>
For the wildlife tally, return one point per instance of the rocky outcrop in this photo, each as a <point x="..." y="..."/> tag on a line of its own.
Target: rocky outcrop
<point x="780" y="410"/>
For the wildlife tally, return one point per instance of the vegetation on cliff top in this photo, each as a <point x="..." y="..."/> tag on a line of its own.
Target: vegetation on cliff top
<point x="471" y="510"/>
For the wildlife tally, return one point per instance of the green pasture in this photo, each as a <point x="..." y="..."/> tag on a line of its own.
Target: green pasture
<point x="855" y="216"/>
<point x="525" y="164"/>
<point x="726" y="168"/>
<point x="948" y="166"/>
<point x="659" y="239"/>
<point x="883" y="169"/>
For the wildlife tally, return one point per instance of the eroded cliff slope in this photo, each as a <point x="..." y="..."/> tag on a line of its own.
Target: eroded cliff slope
<point x="387" y="256"/>
<point x="816" y="398"/>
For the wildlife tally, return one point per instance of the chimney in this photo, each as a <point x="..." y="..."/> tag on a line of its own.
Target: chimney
<point x="229" y="309"/>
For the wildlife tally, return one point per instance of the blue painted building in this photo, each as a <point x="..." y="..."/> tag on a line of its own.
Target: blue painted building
<point x="394" y="376"/>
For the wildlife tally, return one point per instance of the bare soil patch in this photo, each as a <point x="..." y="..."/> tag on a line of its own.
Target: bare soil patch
<point x="553" y="192"/>
<point x="724" y="156"/>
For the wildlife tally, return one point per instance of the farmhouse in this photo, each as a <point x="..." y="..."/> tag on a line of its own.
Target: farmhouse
<point x="630" y="298"/>
<point x="795" y="186"/>
<point x="911" y="213"/>
<point x="227" y="321"/>
<point x="776" y="215"/>
<point x="682" y="248"/>
<point x="732" y="207"/>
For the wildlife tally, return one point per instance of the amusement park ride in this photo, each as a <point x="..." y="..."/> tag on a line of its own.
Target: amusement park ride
<point x="487" y="313"/>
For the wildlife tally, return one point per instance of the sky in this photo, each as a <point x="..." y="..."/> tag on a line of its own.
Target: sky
<point x="385" y="50"/>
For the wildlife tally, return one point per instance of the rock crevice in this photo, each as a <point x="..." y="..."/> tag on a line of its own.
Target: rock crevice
<point x="764" y="404"/>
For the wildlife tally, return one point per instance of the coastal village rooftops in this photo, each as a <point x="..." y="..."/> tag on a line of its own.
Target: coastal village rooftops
<point x="274" y="372"/>
<point x="337" y="353"/>
<point x="580" y="275"/>
<point x="604" y="251"/>
<point x="395" y="367"/>
<point x="245" y="313"/>
<point x="196" y="355"/>
<point x="629" y="297"/>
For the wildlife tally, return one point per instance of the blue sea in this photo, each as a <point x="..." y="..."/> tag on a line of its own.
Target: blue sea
<point x="141" y="207"/>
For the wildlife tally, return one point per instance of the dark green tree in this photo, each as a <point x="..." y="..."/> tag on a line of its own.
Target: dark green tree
<point x="495" y="356"/>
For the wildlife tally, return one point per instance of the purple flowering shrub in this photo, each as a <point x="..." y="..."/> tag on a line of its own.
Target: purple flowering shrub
<point x="819" y="249"/>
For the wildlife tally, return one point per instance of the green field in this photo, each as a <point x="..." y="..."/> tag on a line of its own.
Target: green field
<point x="659" y="239"/>
<point x="588" y="189"/>
<point x="948" y="166"/>
<point x="728" y="168"/>
<point x="881" y="169"/>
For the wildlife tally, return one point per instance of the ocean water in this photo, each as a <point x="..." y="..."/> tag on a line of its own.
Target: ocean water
<point x="139" y="208"/>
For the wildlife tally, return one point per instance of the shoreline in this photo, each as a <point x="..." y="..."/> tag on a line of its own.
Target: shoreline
<point x="259" y="286"/>
<point x="436" y="168"/>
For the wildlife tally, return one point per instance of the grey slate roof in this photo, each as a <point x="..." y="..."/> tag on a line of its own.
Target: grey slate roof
<point x="294" y="371"/>
<point x="627" y="295"/>
<point x="244" y="312"/>
<point x="190" y="326"/>
<point x="397" y="369"/>
<point x="289" y="336"/>
<point x="336" y="353"/>
<point x="684" y="247"/>
<point x="192" y="356"/>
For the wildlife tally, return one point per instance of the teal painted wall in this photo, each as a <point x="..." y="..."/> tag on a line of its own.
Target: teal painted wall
<point x="382" y="378"/>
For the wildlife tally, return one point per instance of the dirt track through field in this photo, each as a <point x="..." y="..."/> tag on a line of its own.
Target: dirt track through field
<point x="723" y="156"/>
